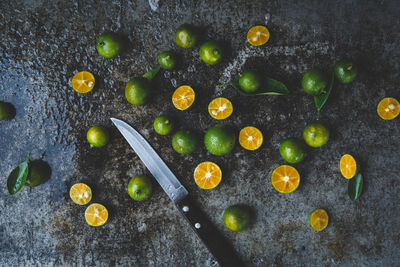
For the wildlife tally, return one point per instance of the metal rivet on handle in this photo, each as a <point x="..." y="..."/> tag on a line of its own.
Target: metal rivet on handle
<point x="197" y="225"/>
<point x="185" y="208"/>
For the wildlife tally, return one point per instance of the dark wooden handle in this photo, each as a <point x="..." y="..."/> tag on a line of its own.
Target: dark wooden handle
<point x="208" y="233"/>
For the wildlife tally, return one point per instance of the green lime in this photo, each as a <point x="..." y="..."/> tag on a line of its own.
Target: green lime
<point x="186" y="36"/>
<point x="4" y="110"/>
<point x="109" y="44"/>
<point x="346" y="71"/>
<point x="236" y="217"/>
<point x="137" y="91"/>
<point x="97" y="136"/>
<point x="314" y="82"/>
<point x="184" y="141"/>
<point x="139" y="188"/>
<point x="167" y="60"/>
<point x="249" y="81"/>
<point x="39" y="172"/>
<point x="211" y="52"/>
<point x="163" y="124"/>
<point x="219" y="140"/>
<point x="316" y="134"/>
<point x="292" y="150"/>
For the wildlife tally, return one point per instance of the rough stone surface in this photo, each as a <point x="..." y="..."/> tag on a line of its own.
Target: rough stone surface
<point x="45" y="42"/>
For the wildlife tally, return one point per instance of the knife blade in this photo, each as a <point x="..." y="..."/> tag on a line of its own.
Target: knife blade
<point x="205" y="230"/>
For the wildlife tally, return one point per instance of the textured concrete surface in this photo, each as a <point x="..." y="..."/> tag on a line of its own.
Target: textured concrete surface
<point x="43" y="43"/>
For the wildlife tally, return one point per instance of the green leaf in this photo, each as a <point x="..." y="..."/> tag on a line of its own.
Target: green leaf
<point x="151" y="74"/>
<point x="355" y="185"/>
<point x="17" y="178"/>
<point x="321" y="99"/>
<point x="269" y="87"/>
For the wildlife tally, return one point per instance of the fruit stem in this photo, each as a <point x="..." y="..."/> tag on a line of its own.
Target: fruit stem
<point x="225" y="84"/>
<point x="350" y="67"/>
<point x="91" y="146"/>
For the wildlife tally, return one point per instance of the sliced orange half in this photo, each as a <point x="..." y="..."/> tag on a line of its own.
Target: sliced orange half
<point x="80" y="193"/>
<point x="183" y="97"/>
<point x="207" y="175"/>
<point x="285" y="179"/>
<point x="318" y="219"/>
<point x="348" y="166"/>
<point x="258" y="35"/>
<point x="96" y="215"/>
<point x="250" y="138"/>
<point x="220" y="108"/>
<point x="388" y="108"/>
<point x="83" y="82"/>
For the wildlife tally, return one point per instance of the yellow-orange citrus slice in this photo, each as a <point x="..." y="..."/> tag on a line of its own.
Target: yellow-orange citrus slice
<point x="258" y="35"/>
<point x="285" y="179"/>
<point x="250" y="138"/>
<point x="80" y="193"/>
<point x="207" y="175"/>
<point x="83" y="82"/>
<point x="183" y="97"/>
<point x="318" y="219"/>
<point x="388" y="108"/>
<point x="220" y="108"/>
<point x="96" y="215"/>
<point x="348" y="166"/>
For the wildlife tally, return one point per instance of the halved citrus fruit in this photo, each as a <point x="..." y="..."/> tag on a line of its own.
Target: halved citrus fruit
<point x="388" y="108"/>
<point x="207" y="175"/>
<point x="83" y="82"/>
<point x="220" y="108"/>
<point x="183" y="97"/>
<point x="250" y="138"/>
<point x="96" y="215"/>
<point x="80" y="193"/>
<point x="258" y="35"/>
<point x="285" y="179"/>
<point x="348" y="166"/>
<point x="318" y="219"/>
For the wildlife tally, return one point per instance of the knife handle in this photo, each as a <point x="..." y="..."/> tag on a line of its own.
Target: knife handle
<point x="208" y="233"/>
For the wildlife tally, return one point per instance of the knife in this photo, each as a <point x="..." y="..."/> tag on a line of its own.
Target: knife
<point x="205" y="230"/>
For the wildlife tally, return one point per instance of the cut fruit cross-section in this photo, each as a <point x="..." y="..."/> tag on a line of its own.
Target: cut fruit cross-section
<point x="96" y="215"/>
<point x="388" y="108"/>
<point x="83" y="82"/>
<point x="348" y="166"/>
<point x="285" y="179"/>
<point x="258" y="35"/>
<point x="318" y="219"/>
<point x="80" y="193"/>
<point x="250" y="138"/>
<point x="183" y="97"/>
<point x="220" y="108"/>
<point x="207" y="175"/>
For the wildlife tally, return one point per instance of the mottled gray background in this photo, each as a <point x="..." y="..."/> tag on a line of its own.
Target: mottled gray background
<point x="43" y="43"/>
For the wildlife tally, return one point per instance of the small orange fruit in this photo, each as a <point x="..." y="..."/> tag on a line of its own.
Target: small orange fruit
<point x="388" y="108"/>
<point x="250" y="138"/>
<point x="348" y="166"/>
<point x="207" y="175"/>
<point x="96" y="215"/>
<point x="285" y="179"/>
<point x="83" y="82"/>
<point x="183" y="97"/>
<point x="220" y="108"/>
<point x="318" y="219"/>
<point x="258" y="35"/>
<point x="80" y="193"/>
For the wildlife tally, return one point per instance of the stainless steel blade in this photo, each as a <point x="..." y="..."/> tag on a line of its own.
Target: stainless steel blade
<point x="152" y="160"/>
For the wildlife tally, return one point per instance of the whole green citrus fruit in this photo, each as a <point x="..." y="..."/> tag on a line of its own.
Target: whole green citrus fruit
<point x="211" y="52"/>
<point x="316" y="134"/>
<point x="109" y="44"/>
<point x="184" y="141"/>
<point x="137" y="91"/>
<point x="346" y="71"/>
<point x="219" y="140"/>
<point x="236" y="217"/>
<point x="140" y="188"/>
<point x="314" y="82"/>
<point x="167" y="60"/>
<point x="292" y="150"/>
<point x="163" y="124"/>
<point x="97" y="136"/>
<point x="249" y="81"/>
<point x="186" y="36"/>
